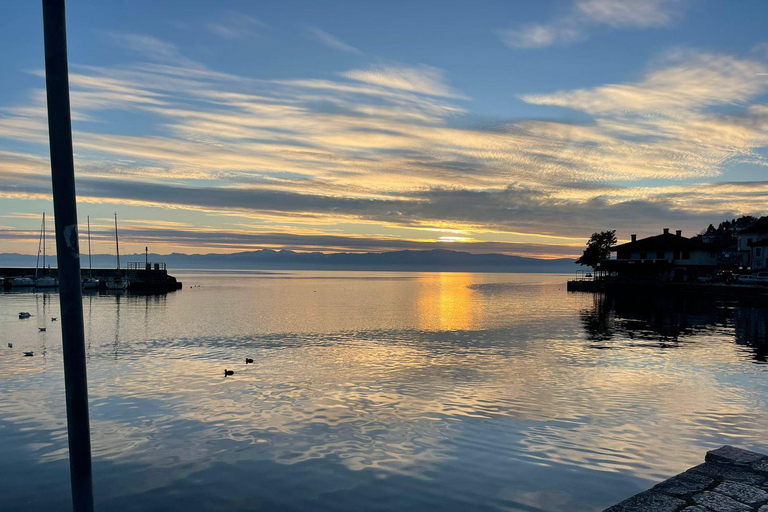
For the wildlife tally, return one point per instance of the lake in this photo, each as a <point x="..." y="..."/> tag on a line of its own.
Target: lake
<point x="380" y="391"/>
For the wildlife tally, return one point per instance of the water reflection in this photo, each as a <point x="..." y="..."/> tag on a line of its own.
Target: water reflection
<point x="425" y="391"/>
<point x="670" y="320"/>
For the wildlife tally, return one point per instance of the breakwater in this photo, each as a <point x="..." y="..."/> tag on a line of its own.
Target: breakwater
<point x="730" y="291"/>
<point x="149" y="279"/>
<point x="731" y="479"/>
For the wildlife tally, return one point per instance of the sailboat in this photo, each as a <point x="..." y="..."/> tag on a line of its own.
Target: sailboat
<point x="26" y="281"/>
<point x="117" y="282"/>
<point x="46" y="281"/>
<point x="90" y="283"/>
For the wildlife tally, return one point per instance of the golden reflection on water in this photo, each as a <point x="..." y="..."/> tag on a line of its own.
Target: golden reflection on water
<point x="446" y="303"/>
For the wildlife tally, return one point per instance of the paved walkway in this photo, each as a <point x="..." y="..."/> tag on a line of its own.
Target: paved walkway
<point x="731" y="480"/>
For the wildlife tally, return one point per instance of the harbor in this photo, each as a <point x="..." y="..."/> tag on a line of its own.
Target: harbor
<point x="136" y="277"/>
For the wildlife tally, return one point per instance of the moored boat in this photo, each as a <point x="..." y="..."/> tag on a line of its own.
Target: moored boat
<point x="47" y="280"/>
<point x="22" y="281"/>
<point x="90" y="282"/>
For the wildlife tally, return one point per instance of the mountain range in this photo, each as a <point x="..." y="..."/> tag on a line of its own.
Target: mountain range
<point x="427" y="260"/>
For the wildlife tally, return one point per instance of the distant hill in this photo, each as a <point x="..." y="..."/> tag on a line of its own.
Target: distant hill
<point x="437" y="259"/>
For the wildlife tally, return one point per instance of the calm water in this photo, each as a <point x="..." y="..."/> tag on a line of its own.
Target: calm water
<point x="379" y="391"/>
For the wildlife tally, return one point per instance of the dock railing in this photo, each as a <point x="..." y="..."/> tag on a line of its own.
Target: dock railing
<point x="143" y="265"/>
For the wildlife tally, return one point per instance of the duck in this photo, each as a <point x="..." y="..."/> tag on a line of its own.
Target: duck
<point x="42" y="329"/>
<point x="228" y="372"/>
<point x="54" y="318"/>
<point x="10" y="345"/>
<point x="24" y="314"/>
<point x="29" y="354"/>
<point x="248" y="360"/>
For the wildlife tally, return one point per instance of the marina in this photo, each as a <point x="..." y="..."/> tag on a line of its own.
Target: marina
<point x="144" y="277"/>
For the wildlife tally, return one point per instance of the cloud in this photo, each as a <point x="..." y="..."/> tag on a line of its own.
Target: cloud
<point x="690" y="80"/>
<point x="586" y="15"/>
<point x="149" y="47"/>
<point x="390" y="154"/>
<point x="332" y="41"/>
<point x="235" y="25"/>
<point x="422" y="79"/>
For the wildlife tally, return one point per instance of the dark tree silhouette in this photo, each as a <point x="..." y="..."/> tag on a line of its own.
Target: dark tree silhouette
<point x="598" y="248"/>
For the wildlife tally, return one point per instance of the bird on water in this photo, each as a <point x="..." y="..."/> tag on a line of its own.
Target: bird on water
<point x="28" y="354"/>
<point x="248" y="360"/>
<point x="228" y="372"/>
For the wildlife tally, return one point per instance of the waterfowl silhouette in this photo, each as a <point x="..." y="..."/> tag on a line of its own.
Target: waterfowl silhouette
<point x="228" y="372"/>
<point x="42" y="329"/>
<point x="10" y="345"/>
<point x="53" y="318"/>
<point x="28" y="354"/>
<point x="248" y="360"/>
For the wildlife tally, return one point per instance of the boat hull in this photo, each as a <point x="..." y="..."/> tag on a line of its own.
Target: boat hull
<point x="22" y="281"/>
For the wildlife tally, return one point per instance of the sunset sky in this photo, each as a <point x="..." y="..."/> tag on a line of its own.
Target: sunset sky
<point x="489" y="126"/>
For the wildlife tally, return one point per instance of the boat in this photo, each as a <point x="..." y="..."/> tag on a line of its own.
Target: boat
<point x="90" y="283"/>
<point x="118" y="282"/>
<point x="24" y="314"/>
<point x="46" y="281"/>
<point x="22" y="281"/>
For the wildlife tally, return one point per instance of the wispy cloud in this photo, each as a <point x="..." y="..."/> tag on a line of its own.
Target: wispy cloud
<point x="390" y="150"/>
<point x="587" y="15"/>
<point x="332" y="41"/>
<point x="422" y="79"/>
<point x="147" y="46"/>
<point x="235" y="25"/>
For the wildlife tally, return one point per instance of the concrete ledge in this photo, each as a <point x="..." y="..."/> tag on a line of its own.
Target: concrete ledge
<point x="731" y="480"/>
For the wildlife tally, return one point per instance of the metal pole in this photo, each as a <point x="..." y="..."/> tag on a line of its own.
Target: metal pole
<point x="117" y="247"/>
<point x="90" y="261"/>
<point x="68" y="249"/>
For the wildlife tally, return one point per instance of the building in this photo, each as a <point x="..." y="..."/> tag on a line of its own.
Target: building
<point x="666" y="256"/>
<point x="753" y="245"/>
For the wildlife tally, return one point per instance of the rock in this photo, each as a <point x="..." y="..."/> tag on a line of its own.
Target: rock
<point x="761" y="465"/>
<point x="720" y="503"/>
<point x="732" y="455"/>
<point x="726" y="472"/>
<point x="743" y="493"/>
<point x="685" y="484"/>
<point x="648" y="501"/>
<point x="695" y="508"/>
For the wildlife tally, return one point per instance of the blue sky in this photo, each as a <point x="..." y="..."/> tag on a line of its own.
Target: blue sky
<point x="515" y="127"/>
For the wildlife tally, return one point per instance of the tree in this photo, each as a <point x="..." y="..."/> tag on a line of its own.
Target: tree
<point x="598" y="248"/>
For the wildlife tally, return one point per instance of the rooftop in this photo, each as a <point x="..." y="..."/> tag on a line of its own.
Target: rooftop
<point x="758" y="228"/>
<point x="662" y="242"/>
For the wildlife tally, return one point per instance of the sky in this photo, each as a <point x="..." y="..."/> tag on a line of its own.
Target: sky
<point x="511" y="127"/>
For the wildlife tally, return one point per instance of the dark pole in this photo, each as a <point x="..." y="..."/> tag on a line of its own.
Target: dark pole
<point x="68" y="251"/>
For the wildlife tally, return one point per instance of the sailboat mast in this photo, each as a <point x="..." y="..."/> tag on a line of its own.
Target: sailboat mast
<point x="43" y="242"/>
<point x="117" y="247"/>
<point x="90" y="261"/>
<point x="39" y="244"/>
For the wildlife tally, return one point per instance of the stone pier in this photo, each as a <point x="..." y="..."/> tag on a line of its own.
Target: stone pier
<point x="731" y="480"/>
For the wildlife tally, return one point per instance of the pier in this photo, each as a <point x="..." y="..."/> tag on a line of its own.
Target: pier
<point x="730" y="480"/>
<point x="728" y="291"/>
<point x="143" y="277"/>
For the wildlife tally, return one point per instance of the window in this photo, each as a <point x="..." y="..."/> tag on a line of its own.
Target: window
<point x="758" y="251"/>
<point x="643" y="255"/>
<point x="686" y="255"/>
<point x="660" y="255"/>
